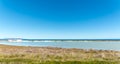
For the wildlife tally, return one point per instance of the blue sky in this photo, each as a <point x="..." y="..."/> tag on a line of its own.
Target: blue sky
<point x="60" y="19"/>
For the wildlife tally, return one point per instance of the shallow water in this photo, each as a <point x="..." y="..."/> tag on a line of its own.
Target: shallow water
<point x="81" y="45"/>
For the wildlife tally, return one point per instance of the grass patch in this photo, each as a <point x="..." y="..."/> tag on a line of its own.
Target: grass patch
<point x="49" y="55"/>
<point x="27" y="61"/>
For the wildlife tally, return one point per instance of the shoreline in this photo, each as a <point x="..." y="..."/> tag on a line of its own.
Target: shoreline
<point x="17" y="46"/>
<point x="57" y="47"/>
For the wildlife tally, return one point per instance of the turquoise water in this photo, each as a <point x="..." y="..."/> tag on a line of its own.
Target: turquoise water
<point x="81" y="45"/>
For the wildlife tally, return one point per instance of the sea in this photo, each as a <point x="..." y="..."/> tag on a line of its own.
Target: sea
<point x="78" y="45"/>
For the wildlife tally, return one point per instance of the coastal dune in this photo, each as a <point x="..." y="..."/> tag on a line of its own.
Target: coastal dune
<point x="43" y="54"/>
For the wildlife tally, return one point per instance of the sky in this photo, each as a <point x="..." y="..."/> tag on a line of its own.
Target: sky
<point x="60" y="19"/>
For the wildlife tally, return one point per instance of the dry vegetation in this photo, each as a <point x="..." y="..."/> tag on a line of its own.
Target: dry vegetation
<point x="49" y="55"/>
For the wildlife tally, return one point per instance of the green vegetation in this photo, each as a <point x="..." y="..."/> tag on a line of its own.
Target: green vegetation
<point x="49" y="55"/>
<point x="26" y="61"/>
